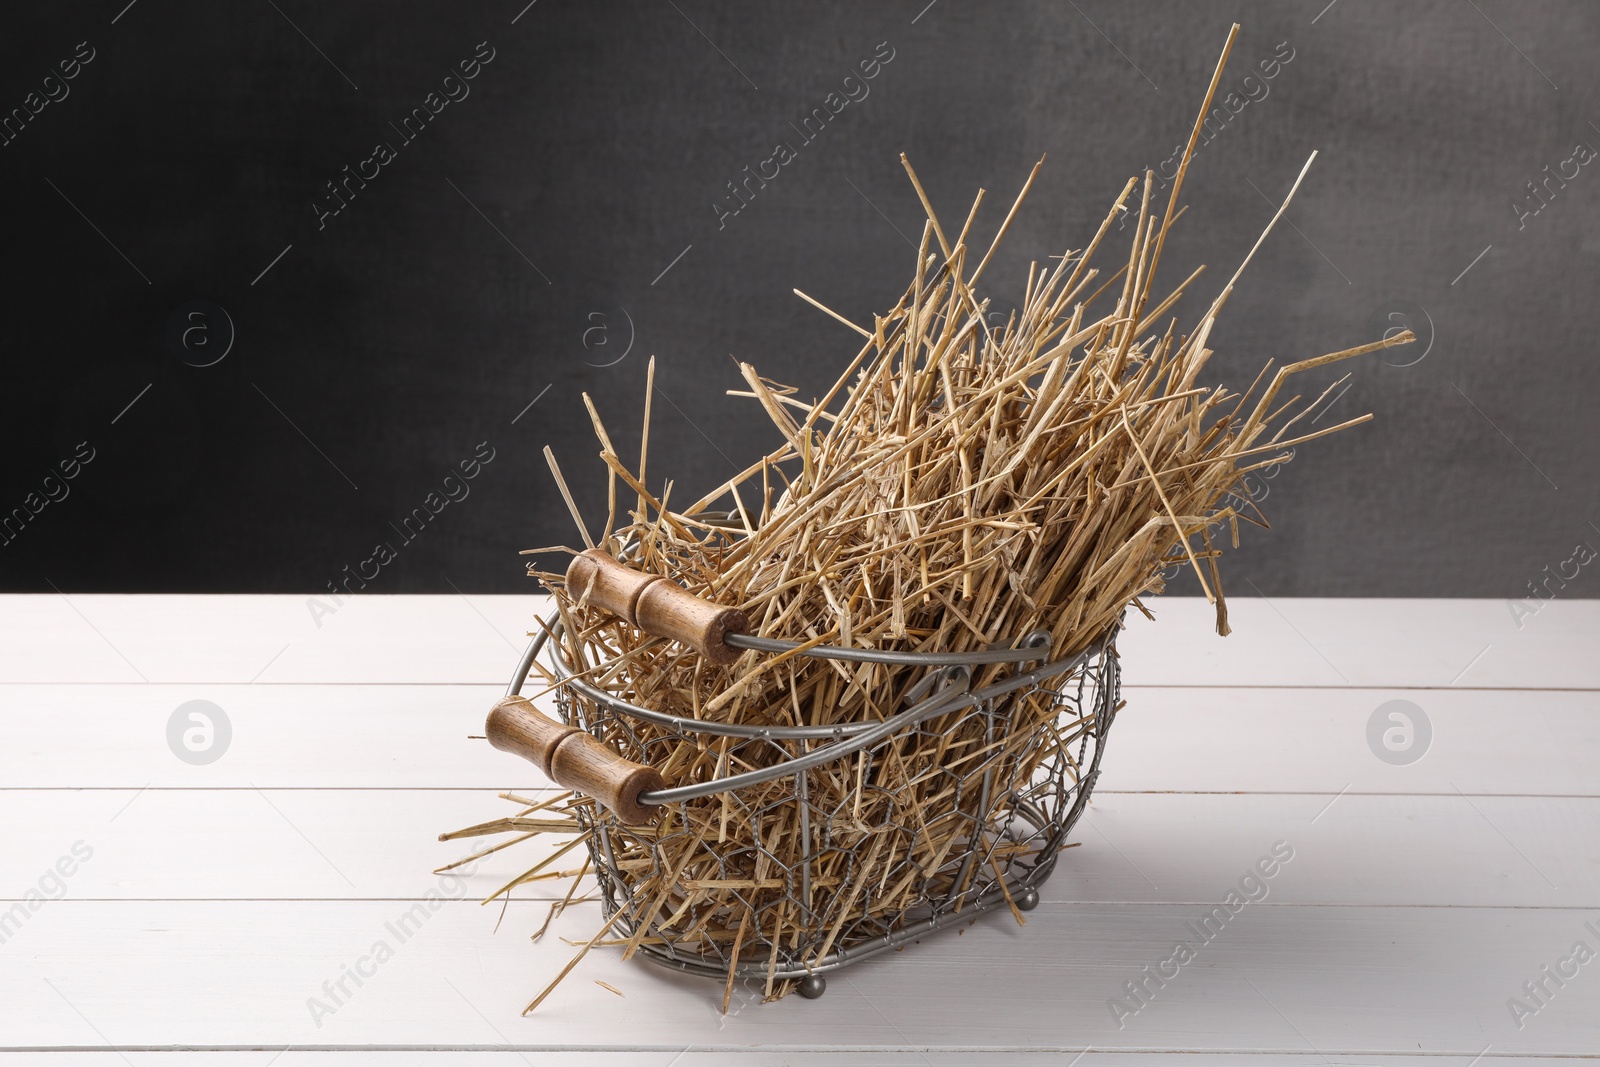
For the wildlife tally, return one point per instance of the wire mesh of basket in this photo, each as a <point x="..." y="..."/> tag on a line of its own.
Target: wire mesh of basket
<point x="1008" y="802"/>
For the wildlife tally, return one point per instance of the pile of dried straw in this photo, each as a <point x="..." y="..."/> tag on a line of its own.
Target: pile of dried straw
<point x="961" y="485"/>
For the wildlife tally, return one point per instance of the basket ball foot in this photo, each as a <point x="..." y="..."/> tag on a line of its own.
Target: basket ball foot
<point x="1028" y="900"/>
<point x="813" y="986"/>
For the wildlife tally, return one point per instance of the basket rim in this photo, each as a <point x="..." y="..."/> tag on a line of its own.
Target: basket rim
<point x="953" y="694"/>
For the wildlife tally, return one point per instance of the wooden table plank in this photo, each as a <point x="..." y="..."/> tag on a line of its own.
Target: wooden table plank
<point x="1367" y="642"/>
<point x="1434" y="851"/>
<point x="856" y="1056"/>
<point x="1273" y="740"/>
<point x="433" y="639"/>
<point x="1340" y="981"/>
<point x="127" y="639"/>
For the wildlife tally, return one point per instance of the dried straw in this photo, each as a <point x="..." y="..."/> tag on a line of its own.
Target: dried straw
<point x="959" y="486"/>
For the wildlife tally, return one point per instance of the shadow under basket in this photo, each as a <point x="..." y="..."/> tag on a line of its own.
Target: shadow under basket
<point x="782" y="887"/>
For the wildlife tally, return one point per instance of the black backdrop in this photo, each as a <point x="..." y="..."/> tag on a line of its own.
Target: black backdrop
<point x="557" y="221"/>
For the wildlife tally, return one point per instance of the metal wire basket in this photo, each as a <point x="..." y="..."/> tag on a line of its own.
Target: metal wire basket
<point x="1013" y="828"/>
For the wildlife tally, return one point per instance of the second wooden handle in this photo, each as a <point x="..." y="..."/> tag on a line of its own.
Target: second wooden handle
<point x="655" y="605"/>
<point x="573" y="758"/>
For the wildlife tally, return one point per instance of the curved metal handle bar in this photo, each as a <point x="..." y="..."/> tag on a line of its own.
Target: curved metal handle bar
<point x="1023" y="654"/>
<point x="517" y="680"/>
<point x="718" y="729"/>
<point x="1028" y="652"/>
<point x="661" y="718"/>
<point x="937" y="704"/>
<point x="848" y="737"/>
<point x="1031" y="648"/>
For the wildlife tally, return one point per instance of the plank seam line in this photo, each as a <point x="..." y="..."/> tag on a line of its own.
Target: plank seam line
<point x="981" y="915"/>
<point x="391" y="684"/>
<point x="485" y="790"/>
<point x="746" y="1050"/>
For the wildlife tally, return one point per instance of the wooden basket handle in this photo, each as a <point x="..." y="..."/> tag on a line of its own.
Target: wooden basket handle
<point x="574" y="759"/>
<point x="655" y="605"/>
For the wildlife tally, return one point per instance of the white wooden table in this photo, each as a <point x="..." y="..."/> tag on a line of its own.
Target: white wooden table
<point x="207" y="904"/>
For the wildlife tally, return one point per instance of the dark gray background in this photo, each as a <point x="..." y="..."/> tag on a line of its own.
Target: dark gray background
<point x="459" y="285"/>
